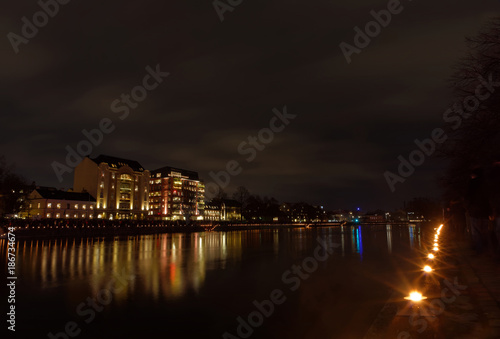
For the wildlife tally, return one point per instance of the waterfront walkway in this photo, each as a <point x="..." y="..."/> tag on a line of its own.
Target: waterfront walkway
<point x="464" y="301"/>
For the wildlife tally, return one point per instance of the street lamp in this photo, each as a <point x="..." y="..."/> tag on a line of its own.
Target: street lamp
<point x="415" y="297"/>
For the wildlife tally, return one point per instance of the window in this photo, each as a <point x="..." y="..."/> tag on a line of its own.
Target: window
<point x="76" y="206"/>
<point x="84" y="207"/>
<point x="158" y="175"/>
<point x="91" y="207"/>
<point x="38" y="205"/>
<point x="49" y="205"/>
<point x="59" y="205"/>
<point x="48" y="215"/>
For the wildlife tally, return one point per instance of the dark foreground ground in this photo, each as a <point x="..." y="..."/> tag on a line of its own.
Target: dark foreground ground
<point x="463" y="298"/>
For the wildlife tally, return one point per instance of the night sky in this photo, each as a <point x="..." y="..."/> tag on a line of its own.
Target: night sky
<point x="353" y="120"/>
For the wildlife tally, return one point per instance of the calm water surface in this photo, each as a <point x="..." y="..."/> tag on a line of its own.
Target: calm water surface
<point x="197" y="285"/>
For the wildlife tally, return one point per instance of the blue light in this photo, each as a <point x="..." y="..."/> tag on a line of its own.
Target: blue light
<point x="356" y="220"/>
<point x="358" y="208"/>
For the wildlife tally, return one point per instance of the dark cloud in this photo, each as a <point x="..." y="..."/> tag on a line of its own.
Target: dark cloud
<point x="225" y="79"/>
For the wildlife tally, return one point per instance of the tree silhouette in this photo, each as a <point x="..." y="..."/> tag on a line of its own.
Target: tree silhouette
<point x="474" y="120"/>
<point x="13" y="189"/>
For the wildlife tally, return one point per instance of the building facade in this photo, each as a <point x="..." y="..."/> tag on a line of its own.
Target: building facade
<point x="176" y="194"/>
<point x="48" y="202"/>
<point x="223" y="210"/>
<point x="120" y="186"/>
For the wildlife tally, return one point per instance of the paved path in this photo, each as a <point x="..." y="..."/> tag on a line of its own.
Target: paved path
<point x="463" y="298"/>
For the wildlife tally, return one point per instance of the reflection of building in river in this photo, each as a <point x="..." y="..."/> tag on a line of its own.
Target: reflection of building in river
<point x="165" y="266"/>
<point x="389" y="237"/>
<point x="357" y="240"/>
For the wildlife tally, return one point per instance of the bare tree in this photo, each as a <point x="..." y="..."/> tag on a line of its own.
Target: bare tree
<point x="13" y="189"/>
<point x="241" y="195"/>
<point x="474" y="123"/>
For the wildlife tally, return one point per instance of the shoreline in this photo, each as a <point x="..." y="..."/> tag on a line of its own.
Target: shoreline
<point x="44" y="232"/>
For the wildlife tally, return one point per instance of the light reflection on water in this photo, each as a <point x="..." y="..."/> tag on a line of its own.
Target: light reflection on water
<point x="214" y="275"/>
<point x="167" y="266"/>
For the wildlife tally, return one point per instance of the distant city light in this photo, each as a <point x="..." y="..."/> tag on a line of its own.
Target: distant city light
<point x="427" y="268"/>
<point x="430" y="256"/>
<point x="435" y="248"/>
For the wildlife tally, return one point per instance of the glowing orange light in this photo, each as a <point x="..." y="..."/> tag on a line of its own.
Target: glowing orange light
<point x="435" y="248"/>
<point x="427" y="268"/>
<point x="415" y="296"/>
<point x="430" y="256"/>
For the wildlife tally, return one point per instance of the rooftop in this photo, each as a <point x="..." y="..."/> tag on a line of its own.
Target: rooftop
<point x="118" y="162"/>
<point x="167" y="172"/>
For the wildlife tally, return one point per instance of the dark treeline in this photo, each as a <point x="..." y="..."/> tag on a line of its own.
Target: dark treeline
<point x="472" y="179"/>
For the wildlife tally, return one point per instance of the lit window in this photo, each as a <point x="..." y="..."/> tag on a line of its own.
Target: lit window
<point x="59" y="205"/>
<point x="76" y="206"/>
<point x="49" y="205"/>
<point x="84" y="207"/>
<point x="38" y="205"/>
<point x="48" y="215"/>
<point x="91" y="207"/>
<point x="76" y="215"/>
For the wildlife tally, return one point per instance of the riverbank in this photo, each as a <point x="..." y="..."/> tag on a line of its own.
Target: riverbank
<point x="118" y="228"/>
<point x="463" y="298"/>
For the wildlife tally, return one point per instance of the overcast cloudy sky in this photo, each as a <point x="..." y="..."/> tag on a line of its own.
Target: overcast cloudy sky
<point x="353" y="120"/>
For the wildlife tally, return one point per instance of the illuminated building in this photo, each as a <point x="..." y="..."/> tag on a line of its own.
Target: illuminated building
<point x="211" y="212"/>
<point x="223" y="210"/>
<point x="48" y="202"/>
<point x="176" y="194"/>
<point x="120" y="186"/>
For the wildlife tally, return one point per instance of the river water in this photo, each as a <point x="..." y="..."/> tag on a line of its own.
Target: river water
<point x="326" y="282"/>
